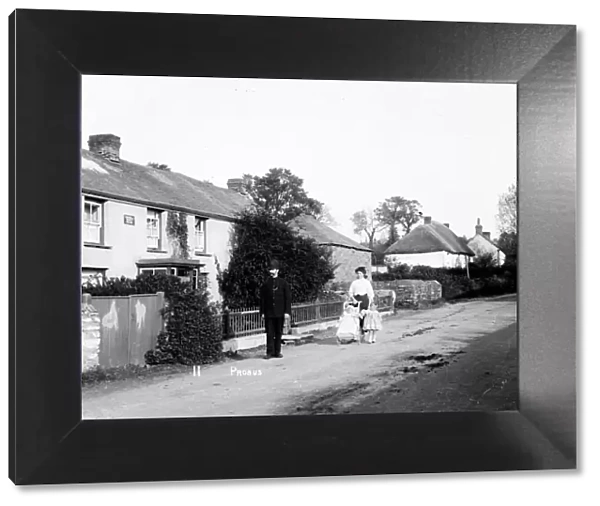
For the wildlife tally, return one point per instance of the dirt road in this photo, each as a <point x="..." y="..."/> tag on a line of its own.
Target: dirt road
<point x="453" y="356"/>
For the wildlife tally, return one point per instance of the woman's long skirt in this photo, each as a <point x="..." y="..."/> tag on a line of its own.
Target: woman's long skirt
<point x="364" y="304"/>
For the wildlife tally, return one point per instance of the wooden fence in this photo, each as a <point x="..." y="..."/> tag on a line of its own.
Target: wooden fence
<point x="129" y="327"/>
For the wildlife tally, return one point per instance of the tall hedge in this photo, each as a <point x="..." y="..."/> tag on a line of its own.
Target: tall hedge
<point x="258" y="238"/>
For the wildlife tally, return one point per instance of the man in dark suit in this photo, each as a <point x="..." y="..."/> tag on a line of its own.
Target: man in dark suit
<point x="275" y="306"/>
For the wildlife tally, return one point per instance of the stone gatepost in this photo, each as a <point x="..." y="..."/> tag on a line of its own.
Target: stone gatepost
<point x="90" y="333"/>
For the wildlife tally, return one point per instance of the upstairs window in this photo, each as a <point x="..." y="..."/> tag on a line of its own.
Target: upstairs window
<point x="200" y="235"/>
<point x="93" y="221"/>
<point x="153" y="229"/>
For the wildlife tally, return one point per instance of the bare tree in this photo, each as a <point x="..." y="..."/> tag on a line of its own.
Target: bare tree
<point x="366" y="222"/>
<point x="325" y="217"/>
<point x="507" y="211"/>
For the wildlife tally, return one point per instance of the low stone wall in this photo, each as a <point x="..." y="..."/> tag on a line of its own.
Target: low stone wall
<point x="90" y="333"/>
<point x="410" y="292"/>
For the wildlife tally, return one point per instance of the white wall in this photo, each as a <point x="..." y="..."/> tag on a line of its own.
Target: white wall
<point x="480" y="245"/>
<point x="433" y="259"/>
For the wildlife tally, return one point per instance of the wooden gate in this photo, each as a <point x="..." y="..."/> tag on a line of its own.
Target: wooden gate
<point x="129" y="327"/>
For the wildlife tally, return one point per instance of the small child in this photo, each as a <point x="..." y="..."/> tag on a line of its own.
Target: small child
<point x="372" y="323"/>
<point x="348" y="325"/>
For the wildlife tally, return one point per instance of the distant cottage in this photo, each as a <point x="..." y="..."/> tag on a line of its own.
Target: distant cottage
<point x="482" y="244"/>
<point x="126" y="208"/>
<point x="348" y="254"/>
<point x="432" y="244"/>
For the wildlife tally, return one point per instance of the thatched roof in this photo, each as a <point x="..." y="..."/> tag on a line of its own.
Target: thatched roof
<point x="164" y="189"/>
<point x="322" y="234"/>
<point x="429" y="238"/>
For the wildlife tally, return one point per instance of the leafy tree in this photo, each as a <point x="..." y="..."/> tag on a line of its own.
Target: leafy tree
<point x="508" y="243"/>
<point x="366" y="222"/>
<point x="507" y="211"/>
<point x="258" y="238"/>
<point x="398" y="211"/>
<point x="281" y="194"/>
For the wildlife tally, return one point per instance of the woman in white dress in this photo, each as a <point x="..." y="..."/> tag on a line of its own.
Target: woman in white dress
<point x="361" y="291"/>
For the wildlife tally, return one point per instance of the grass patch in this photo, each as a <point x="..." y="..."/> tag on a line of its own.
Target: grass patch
<point x="99" y="374"/>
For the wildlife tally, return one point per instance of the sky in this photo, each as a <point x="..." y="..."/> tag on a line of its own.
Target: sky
<point x="450" y="146"/>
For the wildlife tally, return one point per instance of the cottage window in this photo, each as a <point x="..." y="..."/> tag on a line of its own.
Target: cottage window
<point x="200" y="235"/>
<point x="155" y="271"/>
<point x="92" y="221"/>
<point x="153" y="229"/>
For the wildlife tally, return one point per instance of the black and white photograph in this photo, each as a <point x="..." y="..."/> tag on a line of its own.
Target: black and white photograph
<point x="294" y="246"/>
<point x="297" y="247"/>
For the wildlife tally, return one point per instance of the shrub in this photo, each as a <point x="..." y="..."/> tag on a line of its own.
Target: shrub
<point x="193" y="331"/>
<point x="143" y="283"/>
<point x="258" y="238"/>
<point x="484" y="279"/>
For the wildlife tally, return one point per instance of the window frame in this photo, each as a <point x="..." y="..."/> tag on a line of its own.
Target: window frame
<point x="87" y="224"/>
<point x="159" y="237"/>
<point x="200" y="248"/>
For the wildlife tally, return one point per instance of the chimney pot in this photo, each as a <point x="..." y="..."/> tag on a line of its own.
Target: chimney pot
<point x="106" y="145"/>
<point x="427" y="220"/>
<point x="236" y="184"/>
<point x="478" y="227"/>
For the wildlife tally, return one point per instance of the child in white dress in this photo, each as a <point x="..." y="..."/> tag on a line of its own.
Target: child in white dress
<point x="372" y="323"/>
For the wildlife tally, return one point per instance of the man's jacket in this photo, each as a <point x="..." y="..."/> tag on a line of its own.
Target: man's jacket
<point x="275" y="298"/>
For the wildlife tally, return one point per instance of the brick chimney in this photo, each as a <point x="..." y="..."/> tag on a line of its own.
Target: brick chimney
<point x="447" y="225"/>
<point x="236" y="185"/>
<point x="487" y="236"/>
<point x="427" y="220"/>
<point x="106" y="145"/>
<point x="478" y="227"/>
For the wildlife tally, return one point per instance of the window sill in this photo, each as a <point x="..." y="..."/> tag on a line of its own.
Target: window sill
<point x="95" y="245"/>
<point x="154" y="250"/>
<point x="202" y="254"/>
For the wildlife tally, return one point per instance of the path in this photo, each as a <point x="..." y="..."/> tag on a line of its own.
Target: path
<point x="321" y="376"/>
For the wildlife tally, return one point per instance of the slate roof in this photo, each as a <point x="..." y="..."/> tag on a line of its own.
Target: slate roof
<point x="311" y="227"/>
<point x="163" y="189"/>
<point x="430" y="238"/>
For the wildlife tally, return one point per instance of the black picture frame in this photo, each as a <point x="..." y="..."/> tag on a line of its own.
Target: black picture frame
<point x="50" y="50"/>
